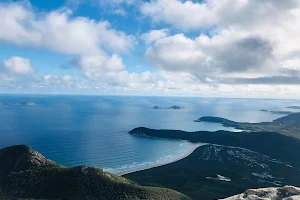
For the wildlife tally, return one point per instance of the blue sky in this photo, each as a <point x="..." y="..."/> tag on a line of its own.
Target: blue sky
<point x="230" y="48"/>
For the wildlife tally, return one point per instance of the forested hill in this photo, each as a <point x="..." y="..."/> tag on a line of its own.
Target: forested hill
<point x="271" y="144"/>
<point x="24" y="173"/>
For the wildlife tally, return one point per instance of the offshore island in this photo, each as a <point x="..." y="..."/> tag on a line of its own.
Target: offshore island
<point x="169" y="108"/>
<point x="18" y="104"/>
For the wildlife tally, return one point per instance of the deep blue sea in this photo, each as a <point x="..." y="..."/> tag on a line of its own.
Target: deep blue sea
<point x="93" y="130"/>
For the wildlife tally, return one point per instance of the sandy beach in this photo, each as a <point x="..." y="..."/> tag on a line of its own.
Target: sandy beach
<point x="161" y="164"/>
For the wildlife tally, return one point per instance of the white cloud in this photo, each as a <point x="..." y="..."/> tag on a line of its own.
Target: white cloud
<point x="59" y="31"/>
<point x="228" y="52"/>
<point x="18" y="65"/>
<point x="237" y="48"/>
<point x="153" y="35"/>
<point x="117" y="7"/>
<point x="191" y="15"/>
<point x="47" y="77"/>
<point x="95" y="45"/>
<point x="110" y="71"/>
<point x="68" y="79"/>
<point x="100" y="62"/>
<point x="117" y="2"/>
<point x="184" y="15"/>
<point x="119" y="11"/>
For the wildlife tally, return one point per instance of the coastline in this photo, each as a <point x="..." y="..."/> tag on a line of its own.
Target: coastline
<point x="162" y="164"/>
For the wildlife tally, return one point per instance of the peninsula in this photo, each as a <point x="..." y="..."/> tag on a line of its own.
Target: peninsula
<point x="229" y="164"/>
<point x="278" y="112"/>
<point x="288" y="125"/>
<point x="294" y="107"/>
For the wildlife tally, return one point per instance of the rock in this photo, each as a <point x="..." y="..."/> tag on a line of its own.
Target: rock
<point x="284" y="193"/>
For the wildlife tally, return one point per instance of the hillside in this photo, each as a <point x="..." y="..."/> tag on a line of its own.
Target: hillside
<point x="288" y="125"/>
<point x="271" y="144"/>
<point x="236" y="162"/>
<point x="24" y="173"/>
<point x="213" y="172"/>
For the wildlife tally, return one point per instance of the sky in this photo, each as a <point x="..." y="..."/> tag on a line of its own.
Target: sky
<point x="205" y="48"/>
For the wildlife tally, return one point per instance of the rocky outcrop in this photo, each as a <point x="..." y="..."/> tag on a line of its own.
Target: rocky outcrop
<point x="284" y="193"/>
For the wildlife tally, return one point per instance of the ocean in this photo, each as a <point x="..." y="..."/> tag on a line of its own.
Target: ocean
<point x="93" y="130"/>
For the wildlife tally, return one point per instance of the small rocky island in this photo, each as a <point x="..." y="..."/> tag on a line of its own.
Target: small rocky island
<point x="18" y="104"/>
<point x="172" y="107"/>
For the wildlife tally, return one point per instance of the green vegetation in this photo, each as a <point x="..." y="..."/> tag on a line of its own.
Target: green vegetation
<point x="258" y="157"/>
<point x="263" y="156"/>
<point x="196" y="175"/>
<point x="271" y="144"/>
<point x="25" y="173"/>
<point x="249" y="159"/>
<point x="288" y="125"/>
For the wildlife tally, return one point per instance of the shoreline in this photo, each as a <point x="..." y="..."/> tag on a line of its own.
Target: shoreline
<point x="162" y="164"/>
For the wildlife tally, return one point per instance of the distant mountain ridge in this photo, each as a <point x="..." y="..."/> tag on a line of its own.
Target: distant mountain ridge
<point x="24" y="173"/>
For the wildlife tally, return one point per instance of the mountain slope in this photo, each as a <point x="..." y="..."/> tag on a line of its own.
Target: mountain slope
<point x="24" y="173"/>
<point x="214" y="171"/>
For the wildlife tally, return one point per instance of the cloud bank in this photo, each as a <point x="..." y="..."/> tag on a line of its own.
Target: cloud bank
<point x="210" y="48"/>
